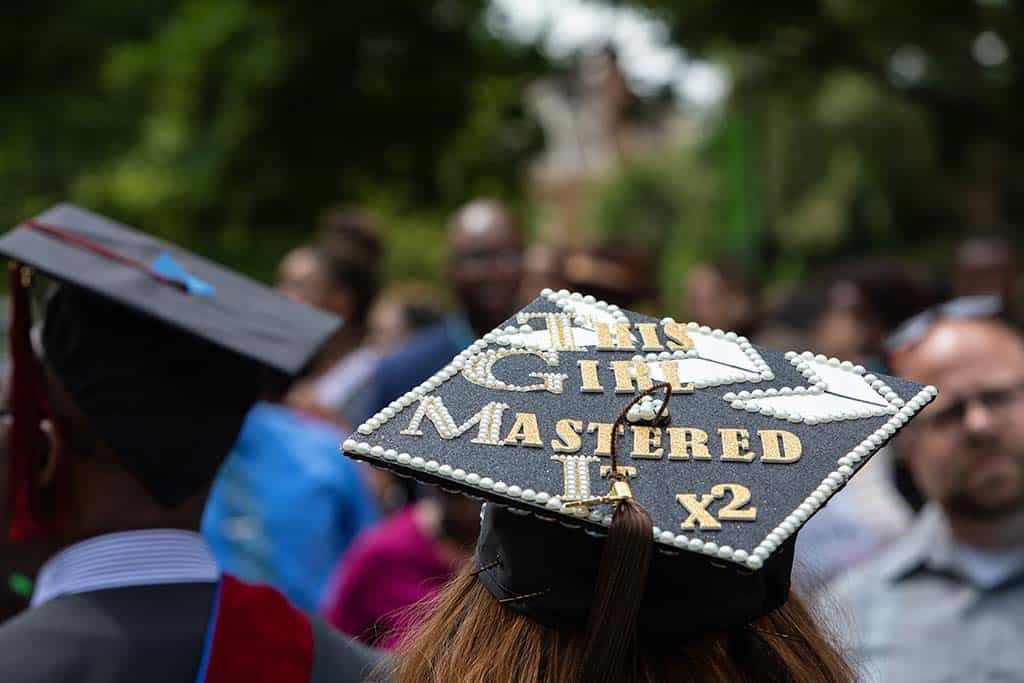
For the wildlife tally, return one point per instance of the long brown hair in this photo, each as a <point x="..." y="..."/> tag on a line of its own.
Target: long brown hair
<point x="468" y="636"/>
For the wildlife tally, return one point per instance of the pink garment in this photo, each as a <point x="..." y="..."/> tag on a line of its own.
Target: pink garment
<point x="387" y="569"/>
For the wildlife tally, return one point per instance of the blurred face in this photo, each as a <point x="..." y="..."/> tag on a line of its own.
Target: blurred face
<point x="387" y="324"/>
<point x="985" y="269"/>
<point x="846" y="329"/>
<point x="302" y="277"/>
<point x="714" y="301"/>
<point x="542" y="267"/>
<point x="485" y="263"/>
<point x="966" y="451"/>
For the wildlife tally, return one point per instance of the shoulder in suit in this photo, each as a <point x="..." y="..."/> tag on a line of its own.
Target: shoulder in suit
<point x="146" y="633"/>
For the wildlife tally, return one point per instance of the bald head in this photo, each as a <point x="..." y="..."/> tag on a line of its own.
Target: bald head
<point x="485" y="262"/>
<point x="482" y="219"/>
<point x="967" y="450"/>
<point x="955" y="346"/>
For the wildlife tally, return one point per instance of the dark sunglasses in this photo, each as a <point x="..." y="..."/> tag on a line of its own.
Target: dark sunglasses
<point x="914" y="329"/>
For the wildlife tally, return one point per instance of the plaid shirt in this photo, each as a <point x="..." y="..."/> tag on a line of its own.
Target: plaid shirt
<point x="916" y="614"/>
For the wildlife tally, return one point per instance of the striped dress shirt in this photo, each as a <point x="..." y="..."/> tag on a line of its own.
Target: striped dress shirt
<point x="128" y="558"/>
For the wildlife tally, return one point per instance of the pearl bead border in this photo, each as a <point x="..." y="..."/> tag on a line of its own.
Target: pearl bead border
<point x="669" y="542"/>
<point x="564" y="299"/>
<point x="837" y="478"/>
<point x="475" y="374"/>
<point x="803" y="362"/>
<point x="762" y="372"/>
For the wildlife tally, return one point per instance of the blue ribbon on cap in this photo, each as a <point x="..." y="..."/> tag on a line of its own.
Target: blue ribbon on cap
<point x="165" y="265"/>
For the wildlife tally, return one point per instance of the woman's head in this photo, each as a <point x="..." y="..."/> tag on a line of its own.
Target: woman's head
<point x="468" y="636"/>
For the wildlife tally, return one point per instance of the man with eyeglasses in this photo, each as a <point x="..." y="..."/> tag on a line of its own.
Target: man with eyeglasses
<point x="485" y="270"/>
<point x="946" y="602"/>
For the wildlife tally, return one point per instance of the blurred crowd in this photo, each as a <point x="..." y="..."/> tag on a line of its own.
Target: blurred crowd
<point x="362" y="545"/>
<point x="925" y="547"/>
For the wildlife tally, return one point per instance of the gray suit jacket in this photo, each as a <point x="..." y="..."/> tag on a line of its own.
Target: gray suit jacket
<point x="147" y="634"/>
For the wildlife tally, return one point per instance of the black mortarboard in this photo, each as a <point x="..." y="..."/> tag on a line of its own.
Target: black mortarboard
<point x="205" y="300"/>
<point x="750" y="444"/>
<point x="163" y="351"/>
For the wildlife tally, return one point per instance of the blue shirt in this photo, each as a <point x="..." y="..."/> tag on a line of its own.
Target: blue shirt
<point x="415" y="361"/>
<point x="286" y="504"/>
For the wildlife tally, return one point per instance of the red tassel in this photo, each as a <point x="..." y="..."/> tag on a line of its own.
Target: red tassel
<point x="33" y="513"/>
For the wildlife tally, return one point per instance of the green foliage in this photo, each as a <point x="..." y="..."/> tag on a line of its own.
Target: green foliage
<point x="828" y="147"/>
<point x="229" y="125"/>
<point x="781" y="183"/>
<point x="669" y="204"/>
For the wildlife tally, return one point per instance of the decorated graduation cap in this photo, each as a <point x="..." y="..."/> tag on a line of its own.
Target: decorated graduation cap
<point x="575" y="408"/>
<point x="163" y="351"/>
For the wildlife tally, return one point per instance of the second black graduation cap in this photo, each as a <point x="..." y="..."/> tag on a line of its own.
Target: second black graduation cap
<point x="752" y="444"/>
<point x="159" y="348"/>
<point x="210" y="302"/>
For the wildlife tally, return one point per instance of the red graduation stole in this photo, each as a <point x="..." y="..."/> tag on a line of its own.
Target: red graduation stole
<point x="255" y="635"/>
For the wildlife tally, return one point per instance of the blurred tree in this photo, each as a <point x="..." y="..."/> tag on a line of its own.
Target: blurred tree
<point x="230" y="124"/>
<point x="950" y="62"/>
<point x="851" y="127"/>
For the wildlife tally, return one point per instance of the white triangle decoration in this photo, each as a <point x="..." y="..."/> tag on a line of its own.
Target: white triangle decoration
<point x="835" y="390"/>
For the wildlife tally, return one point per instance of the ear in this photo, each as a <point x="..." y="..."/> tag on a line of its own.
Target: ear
<point x="49" y="447"/>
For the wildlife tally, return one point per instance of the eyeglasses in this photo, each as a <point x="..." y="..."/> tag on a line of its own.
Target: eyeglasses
<point x="915" y="328"/>
<point x="999" y="402"/>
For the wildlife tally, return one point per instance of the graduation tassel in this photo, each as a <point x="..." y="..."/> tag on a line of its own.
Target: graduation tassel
<point x="32" y="512"/>
<point x="611" y="640"/>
